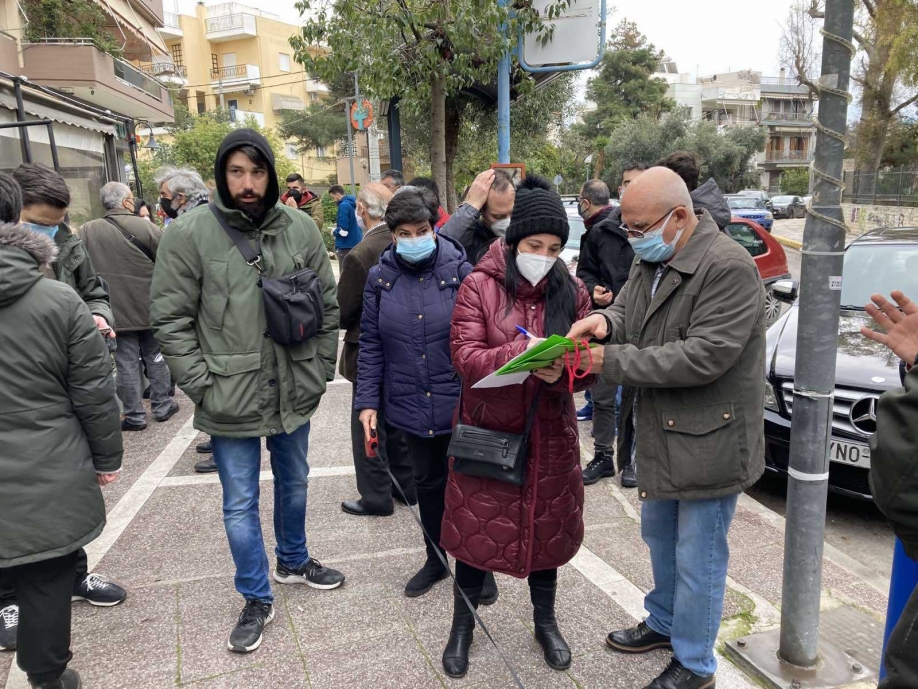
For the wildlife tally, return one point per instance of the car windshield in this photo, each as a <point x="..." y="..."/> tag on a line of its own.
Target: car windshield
<point x="782" y="199"/>
<point x="577" y="228"/>
<point x="749" y="202"/>
<point x="877" y="269"/>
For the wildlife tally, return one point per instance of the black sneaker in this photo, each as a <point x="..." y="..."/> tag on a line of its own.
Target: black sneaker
<point x="312" y="574"/>
<point x="128" y="426"/>
<point x="675" y="676"/>
<point x="68" y="680"/>
<point x="205" y="448"/>
<point x="206" y="466"/>
<point x="246" y="636"/>
<point x="173" y="410"/>
<point x="9" y="625"/>
<point x="629" y="477"/>
<point x="98" y="590"/>
<point x="602" y="466"/>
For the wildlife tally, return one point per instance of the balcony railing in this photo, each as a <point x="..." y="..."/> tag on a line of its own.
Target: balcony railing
<point x="137" y="79"/>
<point x="789" y="117"/>
<point x="234" y="72"/>
<point x="164" y="70"/>
<point x="785" y="155"/>
<point x="171" y="19"/>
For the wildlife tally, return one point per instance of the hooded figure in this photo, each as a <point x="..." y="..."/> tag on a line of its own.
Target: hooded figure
<point x="209" y="318"/>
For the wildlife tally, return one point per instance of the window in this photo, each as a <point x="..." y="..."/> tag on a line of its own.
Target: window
<point x="291" y="152"/>
<point x="313" y="97"/>
<point x="214" y="64"/>
<point x="747" y="238"/>
<point x="177" y="57"/>
<point x="283" y="62"/>
<point x="320" y="151"/>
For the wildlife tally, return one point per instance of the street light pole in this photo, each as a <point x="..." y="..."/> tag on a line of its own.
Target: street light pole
<point x="503" y="98"/>
<point x="817" y="335"/>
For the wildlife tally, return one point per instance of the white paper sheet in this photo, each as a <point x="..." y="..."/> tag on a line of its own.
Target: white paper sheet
<point x="496" y="381"/>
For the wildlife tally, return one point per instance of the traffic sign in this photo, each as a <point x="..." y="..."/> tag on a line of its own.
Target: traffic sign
<point x="558" y="180"/>
<point x="362" y="115"/>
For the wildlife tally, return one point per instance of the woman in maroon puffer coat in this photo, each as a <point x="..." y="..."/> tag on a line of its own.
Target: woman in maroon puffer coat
<point x="489" y="525"/>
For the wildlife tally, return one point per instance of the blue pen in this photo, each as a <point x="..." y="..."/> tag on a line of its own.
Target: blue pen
<point x="525" y="332"/>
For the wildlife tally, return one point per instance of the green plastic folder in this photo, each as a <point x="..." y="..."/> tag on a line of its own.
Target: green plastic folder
<point x="540" y="356"/>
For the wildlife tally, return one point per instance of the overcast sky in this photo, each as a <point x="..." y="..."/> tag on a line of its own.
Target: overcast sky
<point x="708" y="35"/>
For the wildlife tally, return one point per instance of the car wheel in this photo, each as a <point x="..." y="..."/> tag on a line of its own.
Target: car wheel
<point x="772" y="307"/>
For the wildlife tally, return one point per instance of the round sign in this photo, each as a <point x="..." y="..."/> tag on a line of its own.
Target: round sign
<point x="558" y="180"/>
<point x="362" y="115"/>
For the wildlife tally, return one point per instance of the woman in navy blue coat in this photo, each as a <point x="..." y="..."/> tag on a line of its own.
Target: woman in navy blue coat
<point x="405" y="353"/>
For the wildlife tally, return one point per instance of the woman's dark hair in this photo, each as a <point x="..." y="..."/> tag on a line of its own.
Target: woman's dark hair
<point x="412" y="205"/>
<point x="560" y="294"/>
<point x="140" y="204"/>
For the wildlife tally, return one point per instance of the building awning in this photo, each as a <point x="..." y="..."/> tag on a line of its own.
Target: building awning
<point x="127" y="18"/>
<point x="42" y="107"/>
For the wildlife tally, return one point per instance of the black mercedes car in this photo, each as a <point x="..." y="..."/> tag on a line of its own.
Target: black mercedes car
<point x="877" y="262"/>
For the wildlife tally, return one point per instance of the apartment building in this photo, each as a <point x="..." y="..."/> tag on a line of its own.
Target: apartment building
<point x="746" y="98"/>
<point x="94" y="98"/>
<point x="239" y="58"/>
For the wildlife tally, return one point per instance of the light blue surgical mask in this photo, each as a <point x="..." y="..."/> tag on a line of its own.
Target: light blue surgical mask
<point x="651" y="247"/>
<point x="416" y="249"/>
<point x="47" y="230"/>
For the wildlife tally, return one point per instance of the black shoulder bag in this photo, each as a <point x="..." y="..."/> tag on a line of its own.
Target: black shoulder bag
<point x="492" y="454"/>
<point x="294" y="304"/>
<point x="139" y="245"/>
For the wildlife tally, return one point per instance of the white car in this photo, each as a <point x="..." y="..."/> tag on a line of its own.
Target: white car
<point x="570" y="254"/>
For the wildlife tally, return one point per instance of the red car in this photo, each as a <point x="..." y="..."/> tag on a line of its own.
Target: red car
<point x="768" y="255"/>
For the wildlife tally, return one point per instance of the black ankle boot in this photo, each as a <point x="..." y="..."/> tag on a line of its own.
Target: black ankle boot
<point x="69" y="680"/>
<point x="456" y="653"/>
<point x="557" y="652"/>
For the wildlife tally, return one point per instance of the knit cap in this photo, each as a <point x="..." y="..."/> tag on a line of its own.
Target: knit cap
<point x="537" y="209"/>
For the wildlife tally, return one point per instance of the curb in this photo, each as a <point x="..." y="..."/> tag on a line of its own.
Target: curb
<point x="792" y="243"/>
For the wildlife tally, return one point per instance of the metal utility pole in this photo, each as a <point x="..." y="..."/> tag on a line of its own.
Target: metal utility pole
<point x="350" y="142"/>
<point x="817" y="335"/>
<point x="503" y="99"/>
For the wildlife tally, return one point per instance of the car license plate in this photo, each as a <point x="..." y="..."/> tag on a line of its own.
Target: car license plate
<point x="854" y="454"/>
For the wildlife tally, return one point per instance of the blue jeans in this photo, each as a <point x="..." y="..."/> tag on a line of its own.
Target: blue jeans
<point x="689" y="555"/>
<point x="239" y="465"/>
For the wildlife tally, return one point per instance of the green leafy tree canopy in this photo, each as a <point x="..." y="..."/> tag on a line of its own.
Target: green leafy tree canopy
<point x="321" y="125"/>
<point x="795" y="181"/>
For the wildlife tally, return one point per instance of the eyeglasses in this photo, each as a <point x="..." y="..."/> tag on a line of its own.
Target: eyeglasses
<point x="640" y="234"/>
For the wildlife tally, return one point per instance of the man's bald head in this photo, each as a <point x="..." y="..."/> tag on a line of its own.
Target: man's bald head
<point x="658" y="190"/>
<point x="659" y="198"/>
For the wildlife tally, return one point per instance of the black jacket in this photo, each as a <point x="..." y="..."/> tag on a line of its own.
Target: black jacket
<point x="465" y="227"/>
<point x="605" y="255"/>
<point x="894" y="461"/>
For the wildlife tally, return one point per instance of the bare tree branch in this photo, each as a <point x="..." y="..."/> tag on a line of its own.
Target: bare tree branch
<point x="870" y="7"/>
<point x="899" y="108"/>
<point x="862" y="42"/>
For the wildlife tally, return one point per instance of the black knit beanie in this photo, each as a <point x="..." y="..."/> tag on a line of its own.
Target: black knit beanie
<point x="537" y="209"/>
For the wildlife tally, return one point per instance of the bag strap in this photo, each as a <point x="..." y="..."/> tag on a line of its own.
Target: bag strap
<point x="251" y="256"/>
<point x="139" y="245"/>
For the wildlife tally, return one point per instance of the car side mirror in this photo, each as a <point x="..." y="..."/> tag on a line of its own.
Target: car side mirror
<point x="786" y="290"/>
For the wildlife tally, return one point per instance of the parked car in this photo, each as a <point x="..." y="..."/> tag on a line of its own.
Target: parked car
<point x="877" y="262"/>
<point x="769" y="258"/>
<point x="758" y="194"/>
<point x="751" y="209"/>
<point x="570" y="254"/>
<point x="808" y="200"/>
<point x="788" y="207"/>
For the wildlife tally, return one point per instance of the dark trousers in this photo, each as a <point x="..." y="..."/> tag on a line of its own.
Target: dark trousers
<point x="901" y="656"/>
<point x="471" y="577"/>
<point x="605" y="415"/>
<point x="43" y="590"/>
<point x="8" y="591"/>
<point x="430" y="458"/>
<point x="373" y="482"/>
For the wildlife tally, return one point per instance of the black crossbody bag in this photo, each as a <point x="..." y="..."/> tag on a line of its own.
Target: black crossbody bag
<point x="492" y="454"/>
<point x="294" y="304"/>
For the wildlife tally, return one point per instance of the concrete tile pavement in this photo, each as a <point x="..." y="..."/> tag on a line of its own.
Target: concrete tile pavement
<point x="789" y="232"/>
<point x="172" y="556"/>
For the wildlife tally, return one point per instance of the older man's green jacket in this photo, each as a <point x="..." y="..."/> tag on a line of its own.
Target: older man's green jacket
<point x="208" y="317"/>
<point x="693" y="359"/>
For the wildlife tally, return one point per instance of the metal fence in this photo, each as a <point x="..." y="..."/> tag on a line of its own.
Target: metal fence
<point x="884" y="188"/>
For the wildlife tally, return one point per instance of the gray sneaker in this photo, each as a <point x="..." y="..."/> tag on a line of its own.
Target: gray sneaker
<point x="246" y="636"/>
<point x="9" y="625"/>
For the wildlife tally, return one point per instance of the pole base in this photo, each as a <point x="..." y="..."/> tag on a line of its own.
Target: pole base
<point x="757" y="656"/>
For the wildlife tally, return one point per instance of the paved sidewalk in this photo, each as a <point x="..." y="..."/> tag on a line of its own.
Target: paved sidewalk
<point x="165" y="543"/>
<point x="789" y="232"/>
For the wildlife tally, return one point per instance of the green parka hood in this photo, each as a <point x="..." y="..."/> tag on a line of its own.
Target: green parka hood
<point x="233" y="142"/>
<point x="22" y="253"/>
